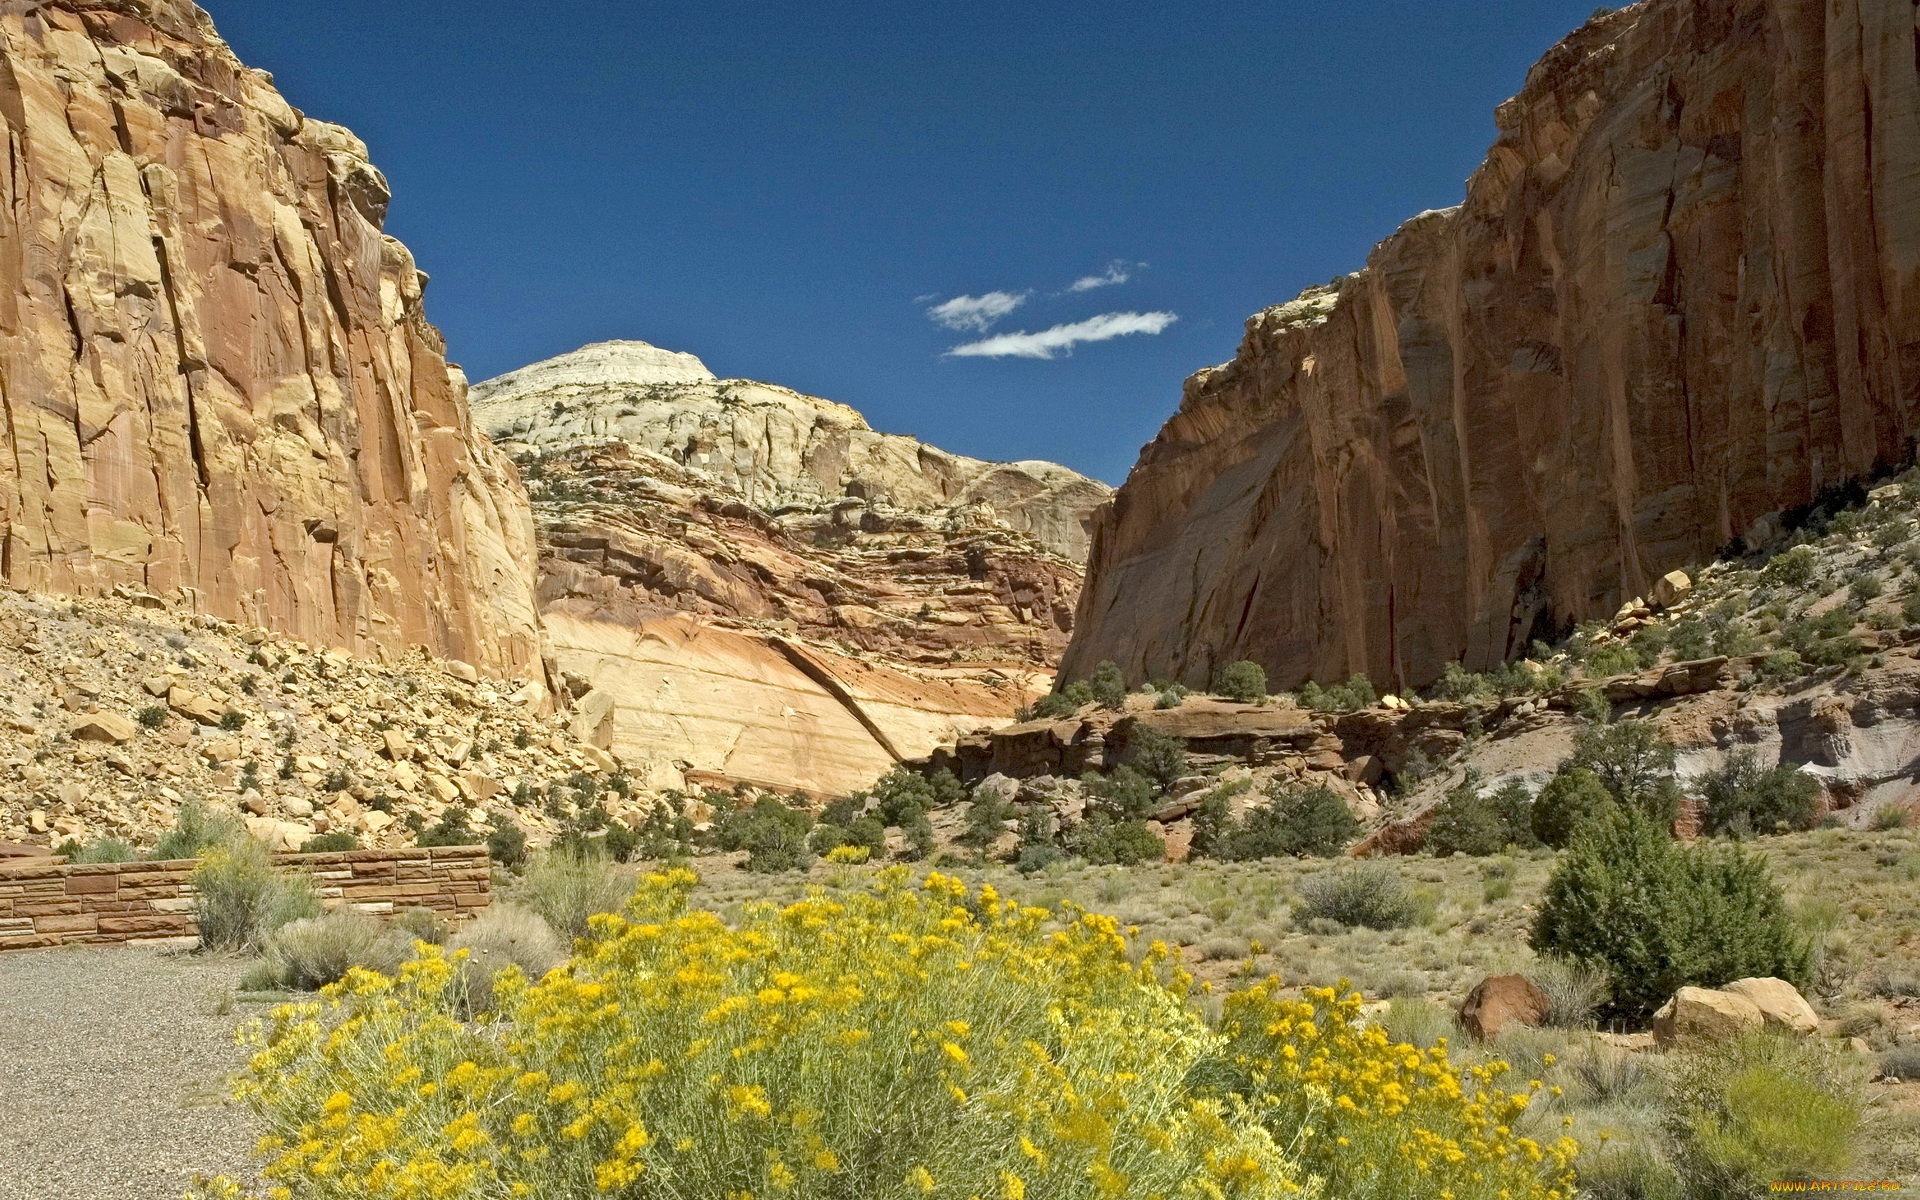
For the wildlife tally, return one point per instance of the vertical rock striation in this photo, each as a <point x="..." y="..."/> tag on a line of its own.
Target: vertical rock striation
<point x="216" y="378"/>
<point x="1683" y="292"/>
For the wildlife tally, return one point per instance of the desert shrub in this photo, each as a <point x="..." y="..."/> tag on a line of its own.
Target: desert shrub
<point x="1123" y="794"/>
<point x="239" y="899"/>
<point x="330" y="843"/>
<point x="1065" y="702"/>
<point x="1243" y="681"/>
<point x="1745" y="797"/>
<point x="1575" y="990"/>
<point x="918" y="829"/>
<point x="105" y="850"/>
<point x="504" y="936"/>
<point x="312" y="952"/>
<point x="1355" y="694"/>
<point x="1902" y="1063"/>
<point x="454" y="828"/>
<point x="1371" y="895"/>
<point x="1308" y="821"/>
<point x="1159" y="756"/>
<point x="507" y="842"/>
<point x="1037" y="856"/>
<point x="566" y="889"/>
<point x="196" y="827"/>
<point x="1572" y="800"/>
<point x="1108" y="686"/>
<point x="1104" y="841"/>
<point x="1745" y="1114"/>
<point x="896" y="1042"/>
<point x="773" y="834"/>
<point x="1792" y="569"/>
<point x="1476" y="822"/>
<point x="1691" y="639"/>
<point x="1657" y="914"/>
<point x="418" y="924"/>
<point x="153" y="716"/>
<point x="865" y="832"/>
<point x="1458" y="683"/>
<point x="987" y="819"/>
<point x="1614" y="658"/>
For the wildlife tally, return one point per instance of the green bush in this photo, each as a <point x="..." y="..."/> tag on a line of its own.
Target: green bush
<point x="1294" y="822"/>
<point x="1744" y="797"/>
<point x="1658" y="915"/>
<point x="1475" y="822"/>
<point x="773" y="834"/>
<point x="1458" y="683"/>
<point x="987" y="819"/>
<point x="330" y="843"/>
<point x="1791" y="569"/>
<point x="507" y="843"/>
<point x="1065" y="702"/>
<point x="1123" y="794"/>
<point x="1612" y="659"/>
<point x="1104" y="841"/>
<point x="1767" y="1108"/>
<point x="1243" y="681"/>
<point x="153" y="716"/>
<point x="1634" y="764"/>
<point x="1572" y="800"/>
<point x="454" y="828"/>
<point x="239" y="899"/>
<point x="196" y="828"/>
<point x="106" y="850"/>
<point x="1159" y="756"/>
<point x="1370" y="894"/>
<point x="1108" y="686"/>
<point x="566" y="888"/>
<point x="918" y="829"/>
<point x="1355" y="694"/>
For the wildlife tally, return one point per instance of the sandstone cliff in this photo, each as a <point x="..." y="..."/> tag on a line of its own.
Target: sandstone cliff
<point x="743" y="584"/>
<point x="216" y="381"/>
<point x="1683" y="292"/>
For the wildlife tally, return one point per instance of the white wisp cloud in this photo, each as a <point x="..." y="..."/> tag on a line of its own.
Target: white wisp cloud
<point x="1118" y="271"/>
<point x="976" y="313"/>
<point x="1061" y="339"/>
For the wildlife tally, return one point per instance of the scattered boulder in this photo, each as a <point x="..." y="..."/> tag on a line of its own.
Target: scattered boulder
<point x="1502" y="1000"/>
<point x="1703" y="1014"/>
<point x="1671" y="587"/>
<point x="111" y="728"/>
<point x="1780" y="1004"/>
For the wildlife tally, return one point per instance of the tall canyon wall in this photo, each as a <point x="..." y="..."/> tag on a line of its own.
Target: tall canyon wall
<point x="216" y="378"/>
<point x="1683" y="292"/>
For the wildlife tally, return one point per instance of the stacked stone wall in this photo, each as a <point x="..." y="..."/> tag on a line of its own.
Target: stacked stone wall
<point x="51" y="902"/>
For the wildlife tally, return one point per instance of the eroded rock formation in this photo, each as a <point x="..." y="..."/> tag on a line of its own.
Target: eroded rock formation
<point x="745" y="584"/>
<point x="216" y="380"/>
<point x="1683" y="292"/>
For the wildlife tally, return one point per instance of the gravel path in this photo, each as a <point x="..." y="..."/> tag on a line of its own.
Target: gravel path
<point x="114" y="1069"/>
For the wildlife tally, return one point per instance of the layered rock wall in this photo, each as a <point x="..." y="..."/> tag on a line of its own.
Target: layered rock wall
<point x="216" y="379"/>
<point x="1683" y="292"/>
<point x="743" y="584"/>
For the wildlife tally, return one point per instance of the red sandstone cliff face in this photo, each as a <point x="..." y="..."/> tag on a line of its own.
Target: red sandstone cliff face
<point x="1683" y="292"/>
<point x="215" y="374"/>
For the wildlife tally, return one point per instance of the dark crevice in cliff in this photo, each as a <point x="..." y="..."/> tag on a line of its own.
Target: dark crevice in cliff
<point x="833" y="687"/>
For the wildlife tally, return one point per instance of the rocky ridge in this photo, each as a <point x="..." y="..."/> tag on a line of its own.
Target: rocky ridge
<point x="116" y="710"/>
<point x="758" y="588"/>
<point x="772" y="445"/>
<point x="1682" y="292"/>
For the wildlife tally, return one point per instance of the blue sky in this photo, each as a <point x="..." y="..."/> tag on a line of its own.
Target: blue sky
<point x="787" y="189"/>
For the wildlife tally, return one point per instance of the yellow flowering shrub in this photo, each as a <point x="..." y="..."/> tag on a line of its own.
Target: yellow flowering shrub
<point x="897" y="1043"/>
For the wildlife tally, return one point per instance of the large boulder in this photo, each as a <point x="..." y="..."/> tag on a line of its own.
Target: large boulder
<point x="1780" y="1004"/>
<point x="1705" y="1015"/>
<point x="1502" y="1000"/>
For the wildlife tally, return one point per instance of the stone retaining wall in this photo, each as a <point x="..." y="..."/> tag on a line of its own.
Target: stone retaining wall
<point x="50" y="902"/>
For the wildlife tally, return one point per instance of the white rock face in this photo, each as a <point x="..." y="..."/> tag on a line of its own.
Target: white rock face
<point x="773" y="444"/>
